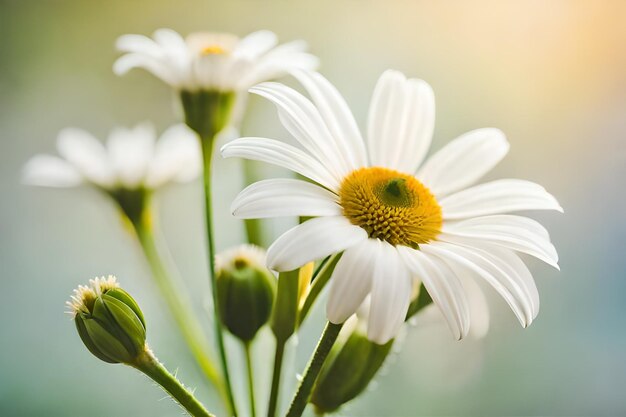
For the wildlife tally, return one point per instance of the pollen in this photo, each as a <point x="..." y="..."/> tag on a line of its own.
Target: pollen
<point x="390" y="206"/>
<point x="213" y="50"/>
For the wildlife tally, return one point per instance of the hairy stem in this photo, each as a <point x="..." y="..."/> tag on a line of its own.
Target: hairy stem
<point x="149" y="365"/>
<point x="312" y="370"/>
<point x="179" y="305"/>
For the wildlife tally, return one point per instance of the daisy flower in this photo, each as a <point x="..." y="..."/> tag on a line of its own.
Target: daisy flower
<point x="212" y="61"/>
<point x="131" y="165"/>
<point x="395" y="219"/>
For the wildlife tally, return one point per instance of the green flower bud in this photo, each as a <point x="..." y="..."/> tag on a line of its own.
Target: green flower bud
<point x="348" y="370"/>
<point x="245" y="290"/>
<point x="108" y="321"/>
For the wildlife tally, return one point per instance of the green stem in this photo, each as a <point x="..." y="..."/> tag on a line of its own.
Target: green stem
<point x="179" y="305"/>
<point x="254" y="228"/>
<point x="300" y="400"/>
<point x="278" y="365"/>
<point x="246" y="347"/>
<point x="149" y="365"/>
<point x="207" y="154"/>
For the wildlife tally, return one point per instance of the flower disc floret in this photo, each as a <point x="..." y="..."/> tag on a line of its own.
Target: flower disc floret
<point x="390" y="206"/>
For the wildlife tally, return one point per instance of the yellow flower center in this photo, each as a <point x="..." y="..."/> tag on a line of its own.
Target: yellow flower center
<point x="390" y="206"/>
<point x="212" y="50"/>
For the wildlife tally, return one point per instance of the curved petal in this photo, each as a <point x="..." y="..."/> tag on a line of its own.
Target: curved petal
<point x="497" y="197"/>
<point x="154" y="66"/>
<point x="337" y="116"/>
<point x="312" y="240"/>
<point x="50" y="171"/>
<point x="87" y="155"/>
<point x="513" y="232"/>
<point x="476" y="300"/>
<point x="463" y="161"/>
<point x="400" y="122"/>
<point x="130" y="152"/>
<point x="351" y="280"/>
<point x="278" y="153"/>
<point x="176" y="157"/>
<point x="302" y="119"/>
<point x="509" y="281"/>
<point x="390" y="295"/>
<point x="443" y="286"/>
<point x="284" y="197"/>
<point x="139" y="44"/>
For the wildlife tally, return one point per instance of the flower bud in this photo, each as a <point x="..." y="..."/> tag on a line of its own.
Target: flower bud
<point x="348" y="370"/>
<point x="245" y="290"/>
<point x="108" y="321"/>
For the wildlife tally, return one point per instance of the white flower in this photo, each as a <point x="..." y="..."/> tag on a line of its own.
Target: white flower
<point x="395" y="219"/>
<point x="132" y="159"/>
<point x="212" y="61"/>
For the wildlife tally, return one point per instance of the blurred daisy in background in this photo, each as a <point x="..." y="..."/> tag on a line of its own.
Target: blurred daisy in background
<point x="129" y="168"/>
<point x="395" y="219"/>
<point x="212" y="61"/>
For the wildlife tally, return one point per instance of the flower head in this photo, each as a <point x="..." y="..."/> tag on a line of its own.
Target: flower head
<point x="396" y="219"/>
<point x="212" y="61"/>
<point x="131" y="165"/>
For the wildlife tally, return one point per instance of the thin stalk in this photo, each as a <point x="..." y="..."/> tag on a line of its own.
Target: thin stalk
<point x="254" y="228"/>
<point x="246" y="347"/>
<point x="207" y="154"/>
<point x="179" y="305"/>
<point x="320" y="279"/>
<point x="278" y="366"/>
<point x="149" y="365"/>
<point x="313" y="368"/>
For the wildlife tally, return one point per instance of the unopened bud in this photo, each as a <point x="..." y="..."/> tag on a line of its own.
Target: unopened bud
<point x="108" y="321"/>
<point x="245" y="290"/>
<point x="348" y="371"/>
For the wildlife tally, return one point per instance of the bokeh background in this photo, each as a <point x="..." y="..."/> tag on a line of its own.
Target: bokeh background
<point x="552" y="75"/>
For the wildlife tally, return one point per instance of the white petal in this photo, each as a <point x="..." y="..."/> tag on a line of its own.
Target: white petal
<point x="478" y="307"/>
<point x="513" y="232"/>
<point x="302" y="119"/>
<point x="130" y="152"/>
<point x="87" y="155"/>
<point x="278" y="153"/>
<point x="154" y="66"/>
<point x="177" y="157"/>
<point x="140" y="44"/>
<point x="400" y="122"/>
<point x="284" y="197"/>
<point x="503" y="276"/>
<point x="464" y="161"/>
<point x="312" y="240"/>
<point x="256" y="44"/>
<point x="443" y="286"/>
<point x="390" y="296"/>
<point x="351" y="280"/>
<point x="337" y="116"/>
<point x="501" y="196"/>
<point x="50" y="171"/>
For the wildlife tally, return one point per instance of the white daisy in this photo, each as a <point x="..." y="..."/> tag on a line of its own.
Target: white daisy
<point x="131" y="165"/>
<point x="212" y="61"/>
<point x="395" y="219"/>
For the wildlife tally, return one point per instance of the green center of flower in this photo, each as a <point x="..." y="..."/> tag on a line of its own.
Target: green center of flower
<point x="390" y="206"/>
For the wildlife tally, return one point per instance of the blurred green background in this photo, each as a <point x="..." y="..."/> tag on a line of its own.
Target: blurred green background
<point x="552" y="75"/>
